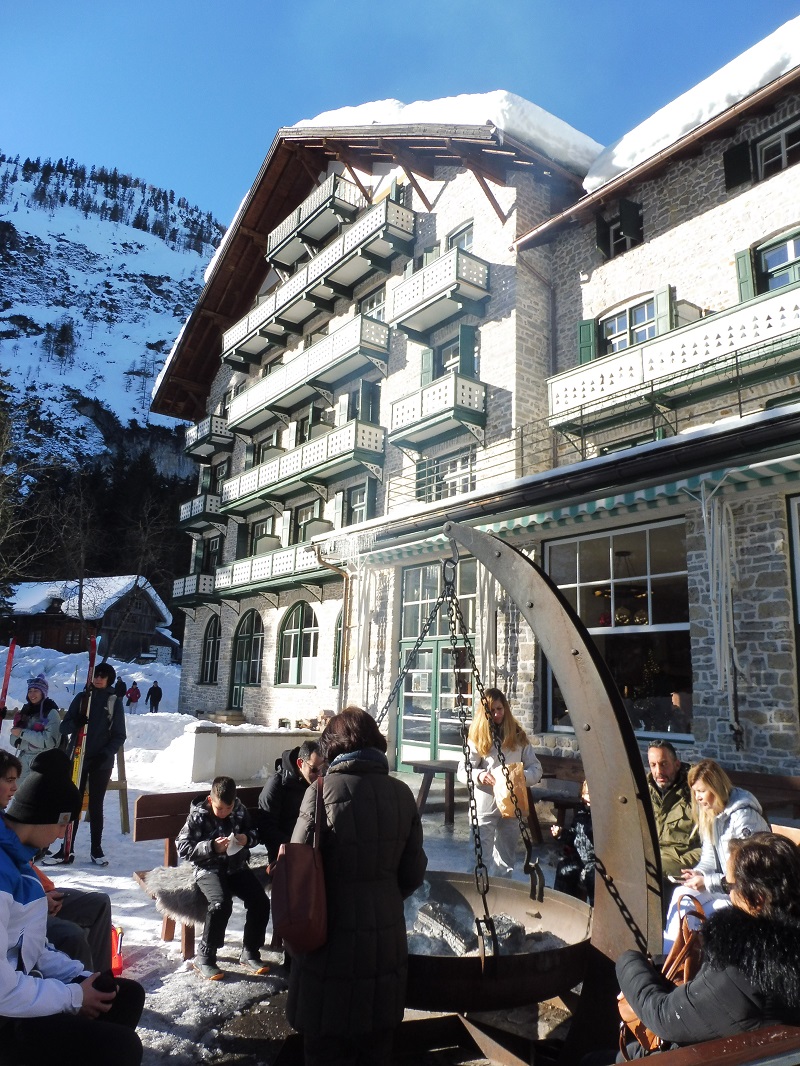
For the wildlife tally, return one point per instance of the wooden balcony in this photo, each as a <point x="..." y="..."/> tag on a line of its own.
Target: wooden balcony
<point x="335" y="202"/>
<point x="206" y="438"/>
<point x="743" y="343"/>
<point x="357" y="346"/>
<point x="455" y="283"/>
<point x="324" y="459"/>
<point x="282" y="568"/>
<point x="370" y="244"/>
<point x="437" y="411"/>
<point x="201" y="512"/>
<point x="193" y="590"/>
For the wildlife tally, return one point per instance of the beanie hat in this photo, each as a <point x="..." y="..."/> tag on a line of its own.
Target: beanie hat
<point x="40" y="683"/>
<point x="47" y="795"/>
<point x="106" y="670"/>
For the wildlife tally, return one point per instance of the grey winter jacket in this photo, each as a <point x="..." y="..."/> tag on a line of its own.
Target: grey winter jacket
<point x="741" y="818"/>
<point x="195" y="842"/>
<point x="373" y="856"/>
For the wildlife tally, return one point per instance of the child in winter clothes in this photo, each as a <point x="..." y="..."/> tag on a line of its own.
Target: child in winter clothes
<point x="217" y="838"/>
<point x="36" y="724"/>
<point x="575" y="871"/>
<point x="49" y="1002"/>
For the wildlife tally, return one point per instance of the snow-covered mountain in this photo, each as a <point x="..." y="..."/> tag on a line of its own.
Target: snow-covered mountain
<point x="98" y="271"/>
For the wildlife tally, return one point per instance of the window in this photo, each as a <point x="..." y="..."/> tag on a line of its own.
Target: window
<point x="262" y="450"/>
<point x="248" y="648"/>
<point x="630" y="589"/>
<point x="261" y="535"/>
<point x="225" y="403"/>
<point x="629" y="326"/>
<point x="209" y="554"/>
<point x="445" y="477"/>
<point x="779" y="264"/>
<point x="303" y="514"/>
<point x="219" y="471"/>
<point x="374" y="305"/>
<point x="457" y="355"/>
<point x="209" y="662"/>
<point x="778" y="151"/>
<point x="428" y="710"/>
<point x="621" y="233"/>
<point x="72" y="637"/>
<point x="462" y="238"/>
<point x="299" y="643"/>
<point x="356" y="505"/>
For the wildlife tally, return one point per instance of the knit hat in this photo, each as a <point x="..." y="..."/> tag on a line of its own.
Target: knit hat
<point x="47" y="795"/>
<point x="39" y="683"/>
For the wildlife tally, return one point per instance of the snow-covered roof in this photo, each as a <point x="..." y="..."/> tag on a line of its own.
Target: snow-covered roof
<point x="752" y="70"/>
<point x="99" y="594"/>
<point x="509" y="113"/>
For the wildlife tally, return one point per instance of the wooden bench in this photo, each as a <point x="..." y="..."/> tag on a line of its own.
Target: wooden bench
<point x="773" y="1043"/>
<point x="429" y="768"/>
<point x="773" y="791"/>
<point x="161" y="816"/>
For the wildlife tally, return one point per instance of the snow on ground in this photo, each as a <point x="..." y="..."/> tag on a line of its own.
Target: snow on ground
<point x="183" y="1011"/>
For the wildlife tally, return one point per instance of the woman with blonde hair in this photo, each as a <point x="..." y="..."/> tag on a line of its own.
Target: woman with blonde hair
<point x="723" y="813"/>
<point x="493" y="721"/>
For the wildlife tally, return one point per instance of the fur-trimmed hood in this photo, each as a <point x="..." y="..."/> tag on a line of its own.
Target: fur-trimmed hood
<point x="764" y="950"/>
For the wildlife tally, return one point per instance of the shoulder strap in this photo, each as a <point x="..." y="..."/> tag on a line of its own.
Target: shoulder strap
<point x="112" y="699"/>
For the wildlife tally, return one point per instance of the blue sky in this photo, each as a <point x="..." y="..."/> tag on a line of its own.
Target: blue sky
<point x="188" y="94"/>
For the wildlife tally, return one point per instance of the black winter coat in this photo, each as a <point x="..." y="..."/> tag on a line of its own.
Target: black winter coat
<point x="373" y="857"/>
<point x="195" y="842"/>
<point x="750" y="977"/>
<point x="279" y="803"/>
<point x="105" y="733"/>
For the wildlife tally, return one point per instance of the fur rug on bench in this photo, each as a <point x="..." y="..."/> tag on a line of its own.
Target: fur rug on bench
<point x="176" y="894"/>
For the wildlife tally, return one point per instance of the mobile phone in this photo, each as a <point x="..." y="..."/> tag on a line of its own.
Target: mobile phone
<point x="675" y="880"/>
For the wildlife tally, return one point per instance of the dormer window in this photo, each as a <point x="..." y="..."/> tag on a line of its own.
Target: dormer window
<point x="621" y="233"/>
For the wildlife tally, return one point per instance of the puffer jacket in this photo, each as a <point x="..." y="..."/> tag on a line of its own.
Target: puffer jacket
<point x="23" y="942"/>
<point x="105" y="730"/>
<point x="484" y="794"/>
<point x="195" y="842"/>
<point x="750" y="977"/>
<point x="678" y="835"/>
<point x="741" y="818"/>
<point x="279" y="803"/>
<point x="373" y="857"/>
<point x="41" y="726"/>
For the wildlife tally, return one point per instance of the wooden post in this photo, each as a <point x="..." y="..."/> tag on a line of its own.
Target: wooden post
<point x="121" y="786"/>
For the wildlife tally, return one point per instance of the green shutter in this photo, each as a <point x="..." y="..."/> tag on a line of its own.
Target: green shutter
<point x="372" y="496"/>
<point x="664" y="314"/>
<point x="466" y="351"/>
<point x="242" y="538"/>
<point x="738" y="166"/>
<point x="630" y="220"/>
<point x="338" y="510"/>
<point x="426" y="377"/>
<point x="745" y="276"/>
<point x="205" y="479"/>
<point x="369" y="402"/>
<point x="602" y="237"/>
<point x="249" y="455"/>
<point x="587" y="340"/>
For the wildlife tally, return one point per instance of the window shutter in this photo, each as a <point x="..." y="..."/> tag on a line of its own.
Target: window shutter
<point x="466" y="351"/>
<point x="602" y="238"/>
<point x="745" y="276"/>
<point x="343" y="409"/>
<point x="369" y="402"/>
<point x="427" y="366"/>
<point x="290" y="435"/>
<point x="286" y="528"/>
<point x="430" y="255"/>
<point x="372" y="497"/>
<point x="243" y="531"/>
<point x="249" y="455"/>
<point x="338" y="510"/>
<point x="587" y="340"/>
<point x="630" y="220"/>
<point x="205" y="479"/>
<point x="408" y="269"/>
<point x="664" y="311"/>
<point x="738" y="165"/>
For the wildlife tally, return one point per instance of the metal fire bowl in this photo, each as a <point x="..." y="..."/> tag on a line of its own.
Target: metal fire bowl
<point x="453" y="984"/>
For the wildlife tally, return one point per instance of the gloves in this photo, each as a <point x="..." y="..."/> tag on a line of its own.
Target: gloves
<point x="38" y="727"/>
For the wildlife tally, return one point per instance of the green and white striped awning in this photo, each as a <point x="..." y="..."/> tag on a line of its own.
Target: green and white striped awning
<point x="730" y="480"/>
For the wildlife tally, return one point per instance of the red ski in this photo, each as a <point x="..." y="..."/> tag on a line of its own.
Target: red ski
<point x="6" y="678"/>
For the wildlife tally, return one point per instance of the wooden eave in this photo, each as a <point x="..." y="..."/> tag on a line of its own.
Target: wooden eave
<point x="723" y="124"/>
<point x="297" y="161"/>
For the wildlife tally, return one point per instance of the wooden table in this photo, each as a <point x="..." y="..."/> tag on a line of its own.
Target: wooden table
<point x="428" y="768"/>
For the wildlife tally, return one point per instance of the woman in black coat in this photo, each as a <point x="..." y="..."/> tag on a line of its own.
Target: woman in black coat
<point x="347" y="997"/>
<point x="750" y="975"/>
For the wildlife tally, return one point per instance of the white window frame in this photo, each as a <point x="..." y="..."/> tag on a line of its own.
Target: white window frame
<point x="628" y="332"/>
<point x="783" y="144"/>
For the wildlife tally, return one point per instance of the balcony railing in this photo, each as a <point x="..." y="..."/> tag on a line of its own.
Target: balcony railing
<point x="455" y="282"/>
<point x="200" y="512"/>
<point x="326" y="458"/>
<point x="731" y="343"/>
<point x="279" y="567"/>
<point x="315" y="219"/>
<point x="193" y="589"/>
<point x="205" y="438"/>
<point x="369" y="244"/>
<point x="437" y="410"/>
<point x="359" y="344"/>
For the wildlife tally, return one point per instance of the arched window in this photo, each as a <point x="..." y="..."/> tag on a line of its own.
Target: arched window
<point x="248" y="647"/>
<point x="297" y="662"/>
<point x="209" y="664"/>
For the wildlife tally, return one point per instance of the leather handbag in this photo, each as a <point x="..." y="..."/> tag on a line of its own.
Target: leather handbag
<point x="681" y="964"/>
<point x="299" y="903"/>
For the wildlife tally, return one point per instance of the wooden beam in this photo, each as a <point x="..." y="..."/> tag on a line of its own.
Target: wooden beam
<point x="259" y="239"/>
<point x="353" y="163"/>
<point x="407" y="160"/>
<point x="303" y="155"/>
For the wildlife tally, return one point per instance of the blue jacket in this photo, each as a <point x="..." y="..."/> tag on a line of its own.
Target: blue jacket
<point x="23" y="942"/>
